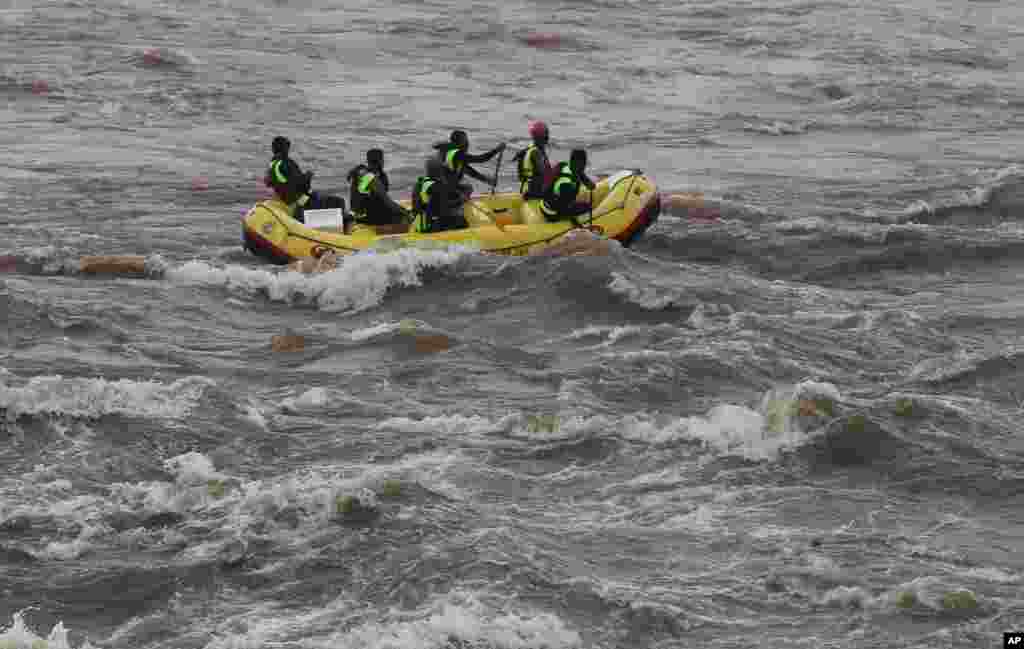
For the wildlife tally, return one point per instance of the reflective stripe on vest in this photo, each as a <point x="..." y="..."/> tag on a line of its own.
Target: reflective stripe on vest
<point x="420" y="222"/>
<point x="528" y="161"/>
<point x="526" y="170"/>
<point x="364" y="183"/>
<point x="562" y="180"/>
<point x="425" y="192"/>
<point x="275" y="168"/>
<point x="449" y="160"/>
<point x="565" y="175"/>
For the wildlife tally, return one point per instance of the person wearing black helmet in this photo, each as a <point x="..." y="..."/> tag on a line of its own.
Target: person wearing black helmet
<point x="285" y="172"/>
<point x="456" y="159"/>
<point x="560" y="199"/>
<point x="369" y="193"/>
<point x="292" y="186"/>
<point x="432" y="202"/>
<point x="286" y="178"/>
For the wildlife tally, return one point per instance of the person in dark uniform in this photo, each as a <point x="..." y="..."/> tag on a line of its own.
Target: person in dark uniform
<point x="292" y="185"/>
<point x="559" y="201"/>
<point x="431" y="200"/>
<point x="368" y="195"/>
<point x="456" y="159"/>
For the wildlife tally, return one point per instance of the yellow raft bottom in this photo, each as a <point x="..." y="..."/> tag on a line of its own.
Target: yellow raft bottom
<point x="624" y="205"/>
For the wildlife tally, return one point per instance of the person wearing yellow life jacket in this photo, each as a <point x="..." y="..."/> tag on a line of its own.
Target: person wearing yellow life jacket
<point x="431" y="201"/>
<point x="286" y="178"/>
<point x="282" y="167"/>
<point x="456" y="159"/>
<point x="534" y="168"/>
<point x="368" y="195"/>
<point x="559" y="201"/>
<point x="292" y="186"/>
<point x="284" y="174"/>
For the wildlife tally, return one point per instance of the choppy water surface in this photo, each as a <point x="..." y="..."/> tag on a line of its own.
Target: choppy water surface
<point x="799" y="424"/>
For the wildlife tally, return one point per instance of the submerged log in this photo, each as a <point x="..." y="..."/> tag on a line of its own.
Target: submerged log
<point x="113" y="265"/>
<point x="683" y="201"/>
<point x="287" y="343"/>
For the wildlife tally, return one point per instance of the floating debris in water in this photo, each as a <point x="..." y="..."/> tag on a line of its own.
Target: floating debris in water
<point x="392" y="488"/>
<point x="904" y="408"/>
<point x="906" y="599"/>
<point x="961" y="600"/>
<point x="287" y="343"/>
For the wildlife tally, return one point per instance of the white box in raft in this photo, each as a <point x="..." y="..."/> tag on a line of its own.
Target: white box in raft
<point x="329" y="219"/>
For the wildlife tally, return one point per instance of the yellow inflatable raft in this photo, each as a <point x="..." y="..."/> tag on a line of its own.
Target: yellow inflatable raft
<point x="624" y="206"/>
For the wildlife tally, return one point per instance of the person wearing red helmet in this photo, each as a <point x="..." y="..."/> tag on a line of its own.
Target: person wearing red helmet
<point x="533" y="165"/>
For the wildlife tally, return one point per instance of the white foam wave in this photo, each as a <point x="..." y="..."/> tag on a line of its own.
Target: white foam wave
<point x="928" y="591"/>
<point x="252" y="413"/>
<point x="640" y="355"/>
<point x="590" y="331"/>
<point x="92" y="398"/>
<point x="776" y="127"/>
<point x="854" y="597"/>
<point x="53" y="260"/>
<point x="192" y="468"/>
<point x="20" y="636"/>
<point x="447" y="424"/>
<point x="803" y="225"/>
<point x="646" y="297"/>
<point x="873" y="233"/>
<point x="943" y="367"/>
<point x="980" y="195"/>
<point x="614" y="334"/>
<point x="374" y="331"/>
<point x="311" y="399"/>
<point x="86" y="540"/>
<point x="977" y="196"/>
<point x="470" y="622"/>
<point x="219" y="513"/>
<point x="918" y="208"/>
<point x="703" y="314"/>
<point x="726" y="429"/>
<point x="358" y="283"/>
<point x="992" y="574"/>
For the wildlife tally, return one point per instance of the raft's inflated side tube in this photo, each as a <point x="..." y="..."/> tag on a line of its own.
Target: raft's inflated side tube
<point x="264" y="233"/>
<point x="638" y="198"/>
<point x="646" y="217"/>
<point x="624" y="206"/>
